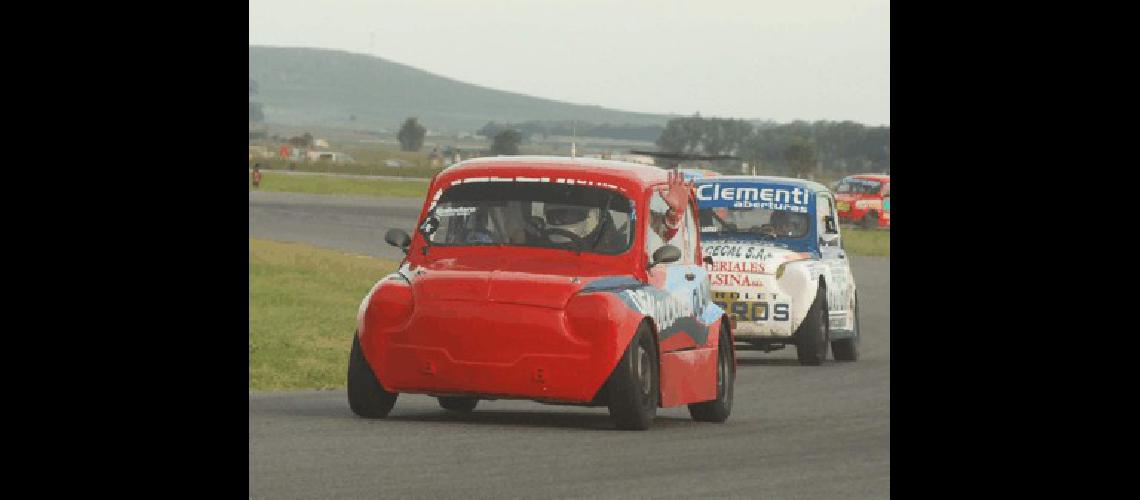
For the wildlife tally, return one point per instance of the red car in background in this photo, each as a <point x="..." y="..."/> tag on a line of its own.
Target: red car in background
<point x="864" y="199"/>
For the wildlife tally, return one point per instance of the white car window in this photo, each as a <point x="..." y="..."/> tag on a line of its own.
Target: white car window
<point x="825" y="207"/>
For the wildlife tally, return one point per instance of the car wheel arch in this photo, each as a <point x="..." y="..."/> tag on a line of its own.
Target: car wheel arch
<point x="731" y="339"/>
<point x="649" y="322"/>
<point x="821" y="291"/>
<point x="725" y="320"/>
<point x="645" y="321"/>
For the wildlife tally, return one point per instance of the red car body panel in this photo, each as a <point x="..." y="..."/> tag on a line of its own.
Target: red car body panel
<point x="532" y="323"/>
<point x="689" y="376"/>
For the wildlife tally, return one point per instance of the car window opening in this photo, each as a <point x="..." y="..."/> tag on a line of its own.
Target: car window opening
<point x="580" y="218"/>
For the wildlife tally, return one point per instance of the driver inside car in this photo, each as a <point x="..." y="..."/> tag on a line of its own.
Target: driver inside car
<point x="598" y="230"/>
<point x="574" y="219"/>
<point x="787" y="224"/>
<point x="476" y="234"/>
<point x="595" y="227"/>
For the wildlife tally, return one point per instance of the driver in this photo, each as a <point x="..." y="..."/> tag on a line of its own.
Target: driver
<point x="476" y="231"/>
<point x="786" y="223"/>
<point x="582" y="221"/>
<point x="572" y="218"/>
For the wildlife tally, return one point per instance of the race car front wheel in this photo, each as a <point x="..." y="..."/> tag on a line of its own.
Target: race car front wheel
<point x="871" y="220"/>
<point x="718" y="409"/>
<point x="811" y="339"/>
<point x="633" y="385"/>
<point x="848" y="349"/>
<point x="365" y="395"/>
<point x="460" y="404"/>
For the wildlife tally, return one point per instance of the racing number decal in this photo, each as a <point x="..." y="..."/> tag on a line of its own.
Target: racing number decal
<point x="739" y="309"/>
<point x="781" y="312"/>
<point x="762" y="314"/>
<point x="750" y="310"/>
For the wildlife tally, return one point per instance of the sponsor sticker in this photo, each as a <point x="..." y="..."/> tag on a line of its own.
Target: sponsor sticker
<point x="839" y="322"/>
<point x="454" y="211"/>
<point x="753" y="195"/>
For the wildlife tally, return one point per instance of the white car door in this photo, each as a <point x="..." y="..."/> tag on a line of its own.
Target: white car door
<point x="840" y="282"/>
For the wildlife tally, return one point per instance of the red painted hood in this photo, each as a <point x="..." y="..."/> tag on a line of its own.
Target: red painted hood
<point x="542" y="282"/>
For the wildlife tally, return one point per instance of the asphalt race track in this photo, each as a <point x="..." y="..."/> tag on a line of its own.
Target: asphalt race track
<point x="352" y="223"/>
<point x="795" y="431"/>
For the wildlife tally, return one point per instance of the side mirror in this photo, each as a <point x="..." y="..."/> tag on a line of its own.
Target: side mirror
<point x="398" y="238"/>
<point x="666" y="254"/>
<point x="708" y="260"/>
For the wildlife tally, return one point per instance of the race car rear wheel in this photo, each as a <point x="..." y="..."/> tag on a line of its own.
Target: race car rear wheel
<point x="718" y="409"/>
<point x="848" y="349"/>
<point x="460" y="404"/>
<point x="811" y="338"/>
<point x="871" y="220"/>
<point x="366" y="396"/>
<point x="633" y="385"/>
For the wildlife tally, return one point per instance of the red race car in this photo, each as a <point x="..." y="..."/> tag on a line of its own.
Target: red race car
<point x="864" y="199"/>
<point x="559" y="280"/>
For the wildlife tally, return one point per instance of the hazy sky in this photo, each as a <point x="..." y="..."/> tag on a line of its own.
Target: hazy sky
<point x="766" y="59"/>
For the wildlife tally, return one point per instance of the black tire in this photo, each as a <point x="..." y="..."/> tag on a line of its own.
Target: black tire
<point x="848" y="349"/>
<point x="460" y="404"/>
<point x="719" y="409"/>
<point x="633" y="385"/>
<point x="366" y="396"/>
<point x="870" y="220"/>
<point x="811" y="338"/>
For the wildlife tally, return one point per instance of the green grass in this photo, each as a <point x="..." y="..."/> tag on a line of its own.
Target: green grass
<point x="876" y="242"/>
<point x="302" y="313"/>
<point x="369" y="160"/>
<point x="325" y="184"/>
<point x="421" y="169"/>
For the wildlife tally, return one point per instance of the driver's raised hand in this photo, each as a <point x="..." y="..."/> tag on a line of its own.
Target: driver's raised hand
<point x="676" y="195"/>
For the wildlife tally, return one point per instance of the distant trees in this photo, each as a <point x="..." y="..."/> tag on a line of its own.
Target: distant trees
<point x="713" y="136"/>
<point x="546" y="128"/>
<point x="506" y="142"/>
<point x="411" y="135"/>
<point x="800" y="155"/>
<point x="795" y="148"/>
<point x="491" y="129"/>
<point x="673" y="139"/>
<point x="838" y="147"/>
<point x="302" y="141"/>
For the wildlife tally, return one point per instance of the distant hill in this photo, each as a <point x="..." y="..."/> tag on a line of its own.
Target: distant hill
<point x="302" y="86"/>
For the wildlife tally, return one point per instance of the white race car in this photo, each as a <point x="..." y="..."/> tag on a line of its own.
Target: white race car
<point x="778" y="266"/>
